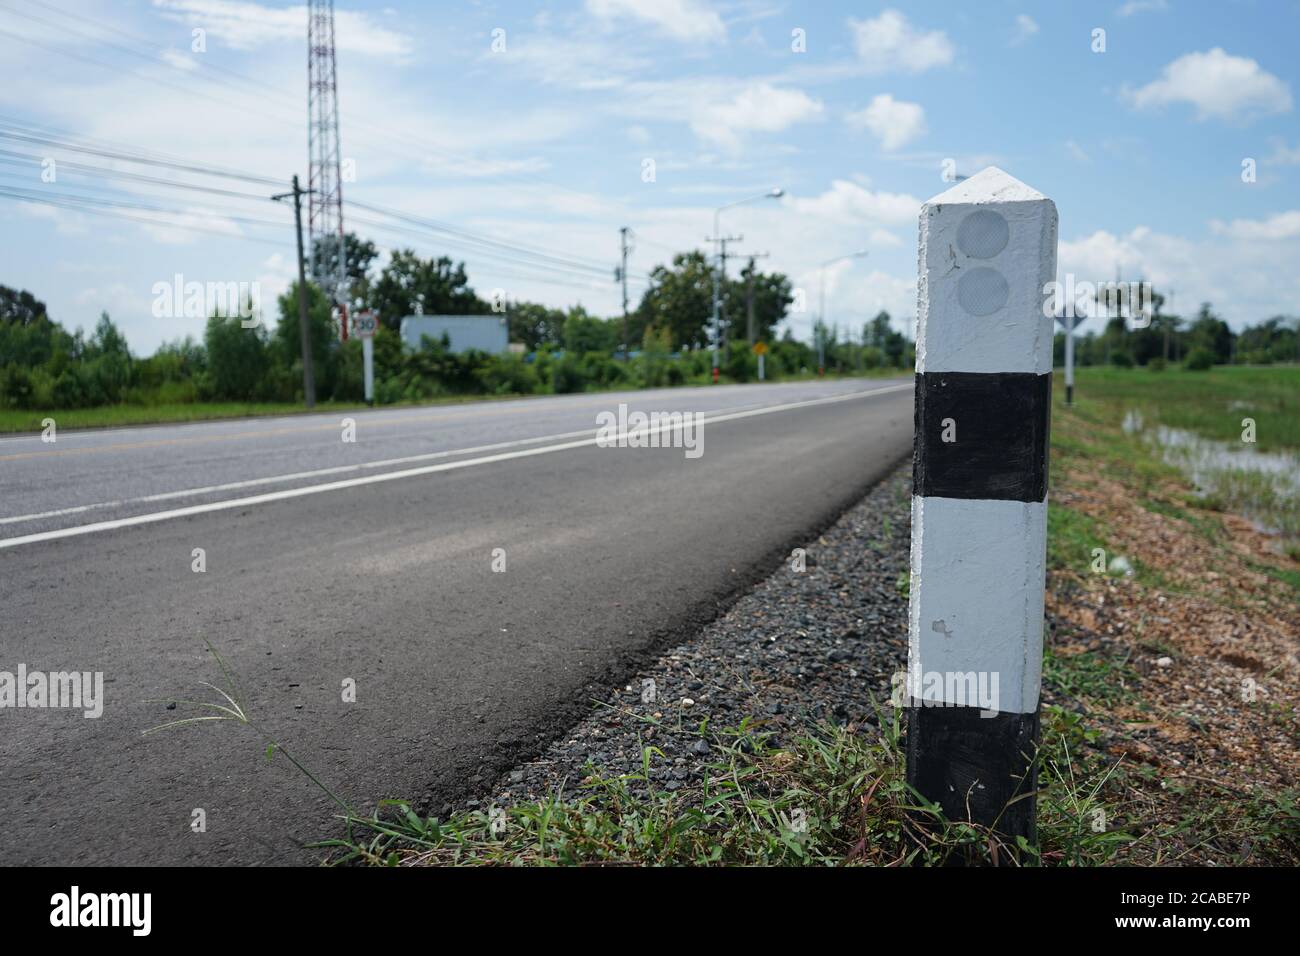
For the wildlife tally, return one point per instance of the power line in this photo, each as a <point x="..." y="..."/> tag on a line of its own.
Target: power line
<point x="423" y="146"/>
<point x="116" y="214"/>
<point x="126" y="154"/>
<point x="20" y="159"/>
<point x="435" y="225"/>
<point x="38" y="195"/>
<point x="426" y="148"/>
<point x="474" y="252"/>
<point x="139" y="158"/>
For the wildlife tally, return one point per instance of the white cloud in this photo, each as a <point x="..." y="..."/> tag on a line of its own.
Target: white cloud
<point x="1218" y="85"/>
<point x="756" y="108"/>
<point x="889" y="43"/>
<point x="1282" y="225"/>
<point x="691" y="20"/>
<point x="894" y="122"/>
<point x="1141" y="6"/>
<point x="182" y="61"/>
<point x="575" y="62"/>
<point x="1077" y="151"/>
<point x="66" y="221"/>
<point x="1283" y="155"/>
<point x="849" y="203"/>
<point x="244" y="25"/>
<point x="1025" y="28"/>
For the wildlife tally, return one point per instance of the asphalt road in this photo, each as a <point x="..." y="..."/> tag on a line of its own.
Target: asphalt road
<point x="371" y="562"/>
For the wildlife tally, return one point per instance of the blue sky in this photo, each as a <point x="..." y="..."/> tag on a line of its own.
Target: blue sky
<point x="544" y="143"/>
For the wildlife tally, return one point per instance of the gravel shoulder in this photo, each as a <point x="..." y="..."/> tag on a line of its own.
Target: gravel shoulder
<point x="802" y="647"/>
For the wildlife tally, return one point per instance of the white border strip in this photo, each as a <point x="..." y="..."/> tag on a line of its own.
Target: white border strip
<point x="288" y="493"/>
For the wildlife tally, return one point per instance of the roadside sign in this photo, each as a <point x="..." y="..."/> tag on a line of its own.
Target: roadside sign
<point x="760" y="348"/>
<point x="364" y="325"/>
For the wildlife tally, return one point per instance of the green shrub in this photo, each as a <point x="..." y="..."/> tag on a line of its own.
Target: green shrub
<point x="1200" y="360"/>
<point x="508" y="375"/>
<point x="566" y="376"/>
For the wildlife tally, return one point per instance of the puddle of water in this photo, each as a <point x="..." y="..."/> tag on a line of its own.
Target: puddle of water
<point x="1262" y="486"/>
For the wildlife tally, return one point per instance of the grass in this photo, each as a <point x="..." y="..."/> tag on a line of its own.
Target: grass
<point x="1212" y="403"/>
<point x="838" y="796"/>
<point x="1089" y="437"/>
<point x="115" y="416"/>
<point x="1179" y="811"/>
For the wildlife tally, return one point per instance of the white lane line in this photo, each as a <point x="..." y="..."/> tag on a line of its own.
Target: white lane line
<point x="316" y="489"/>
<point x="302" y="475"/>
<point x="297" y="476"/>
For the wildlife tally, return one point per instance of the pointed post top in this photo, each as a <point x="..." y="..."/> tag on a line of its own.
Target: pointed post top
<point x="989" y="185"/>
<point x="987" y="253"/>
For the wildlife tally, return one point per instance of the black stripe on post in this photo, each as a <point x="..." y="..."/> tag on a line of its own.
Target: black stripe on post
<point x="976" y="766"/>
<point x="997" y="423"/>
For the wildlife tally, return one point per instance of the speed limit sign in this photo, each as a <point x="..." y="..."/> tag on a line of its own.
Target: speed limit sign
<point x="364" y="325"/>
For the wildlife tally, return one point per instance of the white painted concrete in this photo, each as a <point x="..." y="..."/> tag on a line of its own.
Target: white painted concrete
<point x="977" y="596"/>
<point x="987" y="249"/>
<point x="1014" y="336"/>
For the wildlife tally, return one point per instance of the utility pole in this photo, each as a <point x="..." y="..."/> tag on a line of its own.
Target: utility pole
<point x="721" y="243"/>
<point x="623" y="234"/>
<point x="718" y="274"/>
<point x="304" y="328"/>
<point x="749" y="298"/>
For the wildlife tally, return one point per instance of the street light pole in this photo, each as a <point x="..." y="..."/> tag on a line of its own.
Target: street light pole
<point x="720" y="244"/>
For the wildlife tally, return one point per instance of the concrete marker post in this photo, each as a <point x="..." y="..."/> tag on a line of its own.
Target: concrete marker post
<point x="979" y="508"/>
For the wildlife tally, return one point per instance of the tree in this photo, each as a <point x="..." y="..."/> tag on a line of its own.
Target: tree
<point x="679" y="299"/>
<point x="107" y="361"/>
<point x="361" y="253"/>
<point x="876" y="332"/>
<point x="20" y="306"/>
<point x="534" y="325"/>
<point x="238" y="359"/>
<point x="410" y="285"/>
<point x="286" y="342"/>
<point x="1211" y="333"/>
<point x="585" y="333"/>
<point x="772" y="297"/>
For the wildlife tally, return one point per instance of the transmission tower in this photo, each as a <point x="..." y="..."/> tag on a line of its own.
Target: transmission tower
<point x="324" y="179"/>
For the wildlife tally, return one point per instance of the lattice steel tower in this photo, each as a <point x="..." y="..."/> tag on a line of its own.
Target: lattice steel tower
<point x="325" y="202"/>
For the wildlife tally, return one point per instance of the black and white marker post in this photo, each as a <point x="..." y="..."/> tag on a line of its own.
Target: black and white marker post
<point x="979" y="499"/>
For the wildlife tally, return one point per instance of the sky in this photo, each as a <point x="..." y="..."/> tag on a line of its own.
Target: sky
<point x="1169" y="142"/>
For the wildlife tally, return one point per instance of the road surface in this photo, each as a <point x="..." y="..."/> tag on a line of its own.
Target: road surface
<point x="370" y="564"/>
